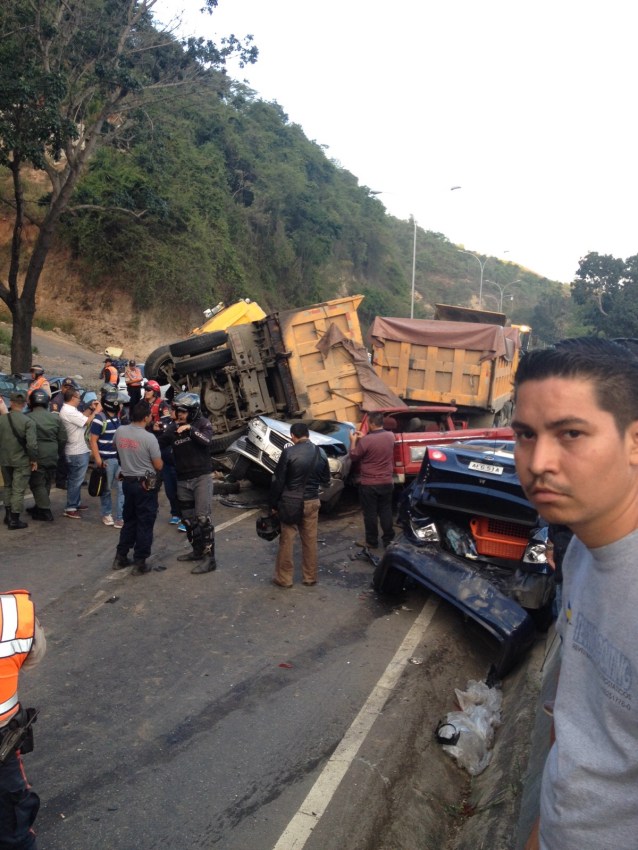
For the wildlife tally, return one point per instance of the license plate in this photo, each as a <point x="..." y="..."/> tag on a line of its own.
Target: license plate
<point x="485" y="467"/>
<point x="275" y="454"/>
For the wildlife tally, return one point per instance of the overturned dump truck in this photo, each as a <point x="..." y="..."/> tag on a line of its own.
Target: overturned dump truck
<point x="463" y="357"/>
<point x="304" y="363"/>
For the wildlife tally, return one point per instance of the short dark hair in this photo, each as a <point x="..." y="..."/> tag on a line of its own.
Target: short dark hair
<point x="610" y="366"/>
<point x="70" y="393"/>
<point x="376" y="418"/>
<point x="140" y="411"/>
<point x="299" y="430"/>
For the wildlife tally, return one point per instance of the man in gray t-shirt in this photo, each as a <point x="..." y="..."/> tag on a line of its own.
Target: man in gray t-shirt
<point x="140" y="461"/>
<point x="576" y="426"/>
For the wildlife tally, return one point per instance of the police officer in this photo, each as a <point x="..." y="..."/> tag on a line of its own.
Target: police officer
<point x="18" y="458"/>
<point x="51" y="436"/>
<point x="190" y="436"/>
<point x="22" y="646"/>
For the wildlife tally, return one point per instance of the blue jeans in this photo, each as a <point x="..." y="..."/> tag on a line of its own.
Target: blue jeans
<point x="77" y="464"/>
<point x="106" y="502"/>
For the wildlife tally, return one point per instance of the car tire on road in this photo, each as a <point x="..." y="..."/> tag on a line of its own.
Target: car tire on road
<point x="389" y="582"/>
<point x="203" y="362"/>
<point x="198" y="344"/>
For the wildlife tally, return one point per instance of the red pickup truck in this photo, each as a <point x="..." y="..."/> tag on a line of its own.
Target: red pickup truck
<point x="414" y="428"/>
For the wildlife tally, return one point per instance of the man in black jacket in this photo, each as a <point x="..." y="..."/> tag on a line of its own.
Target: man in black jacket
<point x="190" y="437"/>
<point x="301" y="469"/>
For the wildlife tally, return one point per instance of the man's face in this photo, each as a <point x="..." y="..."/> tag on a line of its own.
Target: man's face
<point x="574" y="465"/>
<point x="182" y="416"/>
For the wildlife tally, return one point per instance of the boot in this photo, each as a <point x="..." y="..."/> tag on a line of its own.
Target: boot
<point x="43" y="514"/>
<point x="140" y="568"/>
<point x="120" y="562"/>
<point x="191" y="556"/>
<point x="207" y="565"/>
<point x="15" y="522"/>
<point x="7" y="515"/>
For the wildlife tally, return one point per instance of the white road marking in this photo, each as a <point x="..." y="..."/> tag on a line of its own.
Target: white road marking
<point x="307" y="817"/>
<point x="236" y="520"/>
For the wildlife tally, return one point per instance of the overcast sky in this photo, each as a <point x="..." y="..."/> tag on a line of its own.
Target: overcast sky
<point x="528" y="107"/>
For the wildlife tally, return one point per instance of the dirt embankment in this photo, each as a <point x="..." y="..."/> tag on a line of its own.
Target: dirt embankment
<point x="94" y="317"/>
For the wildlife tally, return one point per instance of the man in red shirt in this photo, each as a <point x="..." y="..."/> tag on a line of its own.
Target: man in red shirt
<point x="375" y="452"/>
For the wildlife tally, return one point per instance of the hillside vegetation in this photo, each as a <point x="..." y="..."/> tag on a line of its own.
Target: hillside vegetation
<point x="212" y="194"/>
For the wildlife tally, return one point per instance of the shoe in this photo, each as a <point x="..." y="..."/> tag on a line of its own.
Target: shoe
<point x="107" y="519"/>
<point x="206" y="566"/>
<point x="365" y="545"/>
<point x="190" y="556"/>
<point x="181" y="527"/>
<point x="120" y="562"/>
<point x="15" y="522"/>
<point x="309" y="583"/>
<point x="119" y="523"/>
<point x="174" y="520"/>
<point x="82" y="507"/>
<point x="71" y="514"/>
<point x="140" y="568"/>
<point x="43" y="514"/>
<point x="279" y="584"/>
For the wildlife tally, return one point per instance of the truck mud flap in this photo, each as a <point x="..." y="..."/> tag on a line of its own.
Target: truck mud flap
<point x="464" y="587"/>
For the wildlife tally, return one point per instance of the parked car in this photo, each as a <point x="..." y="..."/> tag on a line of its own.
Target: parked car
<point x="471" y="536"/>
<point x="11" y="383"/>
<point x="266" y="438"/>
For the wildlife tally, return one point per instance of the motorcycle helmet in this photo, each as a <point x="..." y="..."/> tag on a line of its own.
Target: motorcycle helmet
<point x="39" y="398"/>
<point x="153" y="385"/>
<point x="111" y="401"/>
<point x="188" y="402"/>
<point x="37" y="370"/>
<point x="268" y="526"/>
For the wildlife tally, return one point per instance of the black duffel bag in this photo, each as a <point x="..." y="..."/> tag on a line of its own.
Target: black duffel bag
<point x="97" y="481"/>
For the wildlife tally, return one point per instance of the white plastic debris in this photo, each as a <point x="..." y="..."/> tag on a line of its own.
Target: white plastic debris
<point x="471" y="730"/>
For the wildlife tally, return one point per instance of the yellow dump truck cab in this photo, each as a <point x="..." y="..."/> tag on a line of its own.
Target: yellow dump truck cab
<point x="220" y="318"/>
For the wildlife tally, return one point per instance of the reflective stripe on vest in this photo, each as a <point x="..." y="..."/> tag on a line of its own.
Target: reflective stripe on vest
<point x="17" y="628"/>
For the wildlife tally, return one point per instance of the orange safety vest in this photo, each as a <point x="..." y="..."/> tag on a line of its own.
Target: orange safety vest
<point x="40" y="383"/>
<point x="17" y="630"/>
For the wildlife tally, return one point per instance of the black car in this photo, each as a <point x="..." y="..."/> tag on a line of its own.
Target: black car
<point x="471" y="535"/>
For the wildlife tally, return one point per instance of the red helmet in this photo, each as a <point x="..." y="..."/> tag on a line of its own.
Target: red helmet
<point x="153" y="385"/>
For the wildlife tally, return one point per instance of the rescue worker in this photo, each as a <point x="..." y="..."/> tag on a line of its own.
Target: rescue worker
<point x="18" y="458"/>
<point x="153" y="397"/>
<point x="133" y="378"/>
<point x="22" y="646"/>
<point x="109" y="373"/>
<point x="190" y="437"/>
<point x="38" y="381"/>
<point x="51" y="436"/>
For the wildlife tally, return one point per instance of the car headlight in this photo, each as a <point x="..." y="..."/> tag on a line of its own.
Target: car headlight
<point x="536" y="549"/>
<point x="335" y="465"/>
<point x="259" y="426"/>
<point x="425" y="532"/>
<point x="417" y="453"/>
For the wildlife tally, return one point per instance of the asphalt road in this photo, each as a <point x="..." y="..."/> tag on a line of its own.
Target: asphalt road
<point x="182" y="711"/>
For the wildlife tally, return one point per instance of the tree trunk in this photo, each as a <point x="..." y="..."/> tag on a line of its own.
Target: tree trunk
<point x="21" y="338"/>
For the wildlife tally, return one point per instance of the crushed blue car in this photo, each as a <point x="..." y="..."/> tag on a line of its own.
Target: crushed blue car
<point x="471" y="536"/>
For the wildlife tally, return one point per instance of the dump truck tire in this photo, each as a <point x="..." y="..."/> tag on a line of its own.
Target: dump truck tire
<point x="221" y="442"/>
<point x="203" y="362"/>
<point x="155" y="362"/>
<point x="198" y="344"/>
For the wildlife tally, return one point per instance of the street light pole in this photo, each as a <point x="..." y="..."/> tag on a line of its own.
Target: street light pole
<point x="502" y="289"/>
<point x="413" y="269"/>
<point x="482" y="264"/>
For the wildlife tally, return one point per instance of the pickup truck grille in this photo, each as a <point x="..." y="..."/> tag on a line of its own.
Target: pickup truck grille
<point x="278" y="440"/>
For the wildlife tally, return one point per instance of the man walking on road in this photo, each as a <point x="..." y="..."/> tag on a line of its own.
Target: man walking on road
<point x="77" y="451"/>
<point x="141" y="463"/>
<point x="301" y="469"/>
<point x="51" y="436"/>
<point x="190" y="437"/>
<point x="576" y="426"/>
<point x="22" y="646"/>
<point x="18" y="458"/>
<point x="375" y="452"/>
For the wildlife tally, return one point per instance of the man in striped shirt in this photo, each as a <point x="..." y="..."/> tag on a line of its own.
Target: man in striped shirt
<point x="101" y="435"/>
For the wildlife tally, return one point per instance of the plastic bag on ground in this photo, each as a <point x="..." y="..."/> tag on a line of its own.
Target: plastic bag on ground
<point x="474" y="726"/>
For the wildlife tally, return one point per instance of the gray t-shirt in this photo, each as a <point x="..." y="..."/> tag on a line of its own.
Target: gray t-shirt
<point x="589" y="796"/>
<point x="136" y="449"/>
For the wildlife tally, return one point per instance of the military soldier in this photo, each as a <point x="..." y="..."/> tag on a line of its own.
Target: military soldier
<point x="51" y="435"/>
<point x="18" y="458"/>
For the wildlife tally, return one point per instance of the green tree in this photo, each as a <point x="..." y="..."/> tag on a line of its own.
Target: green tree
<point x="75" y="75"/>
